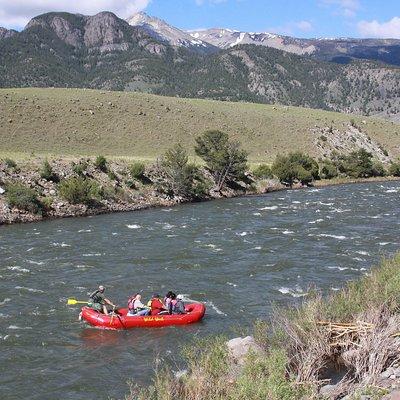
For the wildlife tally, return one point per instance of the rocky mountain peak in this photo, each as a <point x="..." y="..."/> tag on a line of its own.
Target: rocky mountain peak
<point x="161" y="30"/>
<point x="104" y="29"/>
<point x="6" y="33"/>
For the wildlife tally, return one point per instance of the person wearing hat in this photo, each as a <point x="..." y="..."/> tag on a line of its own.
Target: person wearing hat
<point x="99" y="302"/>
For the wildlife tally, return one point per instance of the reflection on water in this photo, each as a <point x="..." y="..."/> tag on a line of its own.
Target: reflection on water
<point x="238" y="256"/>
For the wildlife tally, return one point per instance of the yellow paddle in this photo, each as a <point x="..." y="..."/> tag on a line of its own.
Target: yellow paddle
<point x="72" y="302"/>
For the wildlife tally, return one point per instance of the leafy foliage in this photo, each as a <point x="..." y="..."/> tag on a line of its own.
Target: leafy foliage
<point x="295" y="167"/>
<point x="175" y="176"/>
<point x="23" y="198"/>
<point x="358" y="164"/>
<point x="47" y="173"/>
<point x="79" y="190"/>
<point x="224" y="157"/>
<point x="263" y="171"/>
<point x="80" y="168"/>
<point x="394" y="169"/>
<point x="101" y="163"/>
<point x="328" y="170"/>
<point x="138" y="172"/>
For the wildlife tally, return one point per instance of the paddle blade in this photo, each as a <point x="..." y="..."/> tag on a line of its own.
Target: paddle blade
<point x="72" y="302"/>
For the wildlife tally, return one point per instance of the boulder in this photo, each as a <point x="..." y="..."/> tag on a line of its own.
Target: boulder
<point x="388" y="373"/>
<point x="392" y="396"/>
<point x="240" y="347"/>
<point x="2" y="191"/>
<point x="327" y="391"/>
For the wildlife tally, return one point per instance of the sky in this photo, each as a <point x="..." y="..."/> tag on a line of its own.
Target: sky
<point x="301" y="18"/>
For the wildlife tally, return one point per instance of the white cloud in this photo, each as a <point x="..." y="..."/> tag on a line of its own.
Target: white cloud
<point x="304" y="26"/>
<point x="346" y="8"/>
<point x="16" y="13"/>
<point x="375" y="29"/>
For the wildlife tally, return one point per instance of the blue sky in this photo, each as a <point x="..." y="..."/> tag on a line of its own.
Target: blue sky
<point x="303" y="18"/>
<point x="322" y="18"/>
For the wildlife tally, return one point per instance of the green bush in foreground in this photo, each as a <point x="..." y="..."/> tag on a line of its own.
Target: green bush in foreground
<point x="47" y="173"/>
<point x="263" y="171"/>
<point x="175" y="176"/>
<point x="101" y="163"/>
<point x="224" y="158"/>
<point x="328" y="170"/>
<point x="23" y="198"/>
<point x="394" y="169"/>
<point x="137" y="170"/>
<point x="295" y="167"/>
<point x="79" y="190"/>
<point x="80" y="168"/>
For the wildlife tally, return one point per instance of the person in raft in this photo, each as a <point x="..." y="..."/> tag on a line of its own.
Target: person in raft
<point x="99" y="302"/>
<point x="156" y="306"/>
<point x="136" y="307"/>
<point x="177" y="305"/>
<point x="167" y="301"/>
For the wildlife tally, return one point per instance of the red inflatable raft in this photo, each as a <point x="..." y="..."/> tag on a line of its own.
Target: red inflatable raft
<point x="194" y="313"/>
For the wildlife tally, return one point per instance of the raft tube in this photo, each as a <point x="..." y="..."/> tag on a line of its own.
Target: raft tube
<point x="194" y="313"/>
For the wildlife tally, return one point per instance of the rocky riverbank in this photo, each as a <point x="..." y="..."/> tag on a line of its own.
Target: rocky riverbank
<point x="119" y="191"/>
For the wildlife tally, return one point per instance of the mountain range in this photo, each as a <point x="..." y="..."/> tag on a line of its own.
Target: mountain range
<point x="147" y="54"/>
<point x="341" y="50"/>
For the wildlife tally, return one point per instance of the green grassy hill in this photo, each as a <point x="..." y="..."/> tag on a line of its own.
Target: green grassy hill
<point x="73" y="122"/>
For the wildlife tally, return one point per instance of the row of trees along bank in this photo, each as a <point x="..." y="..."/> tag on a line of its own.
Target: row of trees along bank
<point x="175" y="177"/>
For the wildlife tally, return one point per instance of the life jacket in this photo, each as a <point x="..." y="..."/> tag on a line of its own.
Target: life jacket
<point x="131" y="303"/>
<point x="156" y="309"/>
<point x="178" y="307"/>
<point x="96" y="299"/>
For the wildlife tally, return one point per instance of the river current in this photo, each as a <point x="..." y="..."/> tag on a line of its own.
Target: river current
<point x="239" y="256"/>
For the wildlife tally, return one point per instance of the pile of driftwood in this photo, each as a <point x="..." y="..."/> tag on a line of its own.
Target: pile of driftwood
<point x="345" y="334"/>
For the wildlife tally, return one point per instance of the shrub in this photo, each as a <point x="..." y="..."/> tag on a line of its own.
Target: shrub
<point x="80" y="168"/>
<point x="23" y="198"/>
<point x="175" y="176"/>
<point x="47" y="202"/>
<point x="137" y="170"/>
<point x="47" y="173"/>
<point x="101" y="163"/>
<point x="295" y="167"/>
<point x="378" y="169"/>
<point x="107" y="192"/>
<point x="10" y="163"/>
<point x="394" y="169"/>
<point x="263" y="171"/>
<point x="358" y="164"/>
<point x="79" y="190"/>
<point x="328" y="170"/>
<point x="224" y="158"/>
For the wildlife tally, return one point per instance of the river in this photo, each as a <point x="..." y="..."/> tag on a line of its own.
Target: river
<point x="238" y="256"/>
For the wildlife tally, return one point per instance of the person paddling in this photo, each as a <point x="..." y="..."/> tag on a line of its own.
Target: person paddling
<point x="99" y="302"/>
